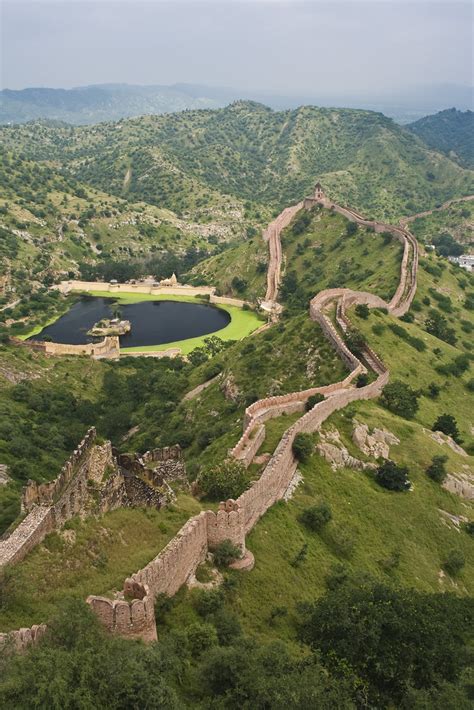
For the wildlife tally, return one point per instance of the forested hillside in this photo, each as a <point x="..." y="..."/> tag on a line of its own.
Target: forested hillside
<point x="196" y="161"/>
<point x="451" y="132"/>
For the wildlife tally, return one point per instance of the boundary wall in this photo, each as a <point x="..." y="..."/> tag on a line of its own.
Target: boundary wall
<point x="170" y="569"/>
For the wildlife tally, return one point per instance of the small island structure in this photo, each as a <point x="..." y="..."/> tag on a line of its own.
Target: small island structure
<point x="113" y="326"/>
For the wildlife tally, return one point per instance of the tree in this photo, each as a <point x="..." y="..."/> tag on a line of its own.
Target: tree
<point x="437" y="325"/>
<point x="302" y="447"/>
<point x="437" y="470"/>
<point x="226" y="480"/>
<point x="400" y="399"/>
<point x="355" y="341"/>
<point x="390" y="639"/>
<point x="362" y="380"/>
<point x="313" y="400"/>
<point x="362" y="310"/>
<point x="448" y="425"/>
<point x="316" y="517"/>
<point x="225" y="553"/>
<point x="392" y="477"/>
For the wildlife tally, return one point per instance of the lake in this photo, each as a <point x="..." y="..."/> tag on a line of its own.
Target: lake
<point x="153" y="322"/>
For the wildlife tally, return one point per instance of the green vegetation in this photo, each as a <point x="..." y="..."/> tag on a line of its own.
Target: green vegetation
<point x="450" y="132"/>
<point x="196" y="161"/>
<point x="456" y="221"/>
<point x="392" y="477"/>
<point x="87" y="557"/>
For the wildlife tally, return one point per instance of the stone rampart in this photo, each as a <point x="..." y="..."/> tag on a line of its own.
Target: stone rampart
<point x="18" y="641"/>
<point x="49" y="506"/>
<point x="167" y="572"/>
<point x="179" y="290"/>
<point x="130" y="619"/>
<point x="108" y="348"/>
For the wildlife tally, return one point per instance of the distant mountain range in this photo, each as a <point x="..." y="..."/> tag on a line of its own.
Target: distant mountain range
<point x="111" y="102"/>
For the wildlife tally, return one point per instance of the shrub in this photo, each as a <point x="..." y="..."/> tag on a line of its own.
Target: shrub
<point x="226" y="480"/>
<point x="313" y="400"/>
<point x="362" y="380"/>
<point x="437" y="325"/>
<point x="201" y="637"/>
<point x="302" y="447"/>
<point x="316" y="517"/>
<point x="378" y="328"/>
<point x="228" y="627"/>
<point x="437" y="470"/>
<point x="400" y="399"/>
<point x="469" y="527"/>
<point x="362" y="310"/>
<point x="225" y="553"/>
<point x="392" y="477"/>
<point x="207" y="602"/>
<point x="351" y="229"/>
<point x="448" y="425"/>
<point x="454" y="562"/>
<point x="470" y="385"/>
<point x="433" y="390"/>
<point x="300" y="555"/>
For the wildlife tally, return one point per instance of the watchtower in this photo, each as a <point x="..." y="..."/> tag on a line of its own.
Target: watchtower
<point x="319" y="192"/>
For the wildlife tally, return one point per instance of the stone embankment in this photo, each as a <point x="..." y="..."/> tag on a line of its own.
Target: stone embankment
<point x="108" y="348"/>
<point x="179" y="560"/>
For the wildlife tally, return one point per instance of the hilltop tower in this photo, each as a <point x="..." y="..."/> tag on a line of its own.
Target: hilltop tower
<point x="319" y="192"/>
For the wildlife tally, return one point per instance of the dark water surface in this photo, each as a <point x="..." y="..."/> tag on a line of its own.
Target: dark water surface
<point x="153" y="322"/>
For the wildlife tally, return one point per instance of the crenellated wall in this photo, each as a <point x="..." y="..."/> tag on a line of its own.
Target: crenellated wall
<point x="170" y="569"/>
<point x="49" y="506"/>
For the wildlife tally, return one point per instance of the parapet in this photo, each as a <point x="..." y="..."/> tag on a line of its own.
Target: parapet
<point x="132" y="619"/>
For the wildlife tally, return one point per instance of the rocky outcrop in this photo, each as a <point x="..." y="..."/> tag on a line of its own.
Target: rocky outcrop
<point x="376" y="443"/>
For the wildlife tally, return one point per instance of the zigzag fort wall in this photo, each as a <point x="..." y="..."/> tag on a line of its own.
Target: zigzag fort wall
<point x="167" y="572"/>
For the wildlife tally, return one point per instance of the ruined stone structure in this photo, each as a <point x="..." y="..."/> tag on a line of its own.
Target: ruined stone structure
<point x="50" y="505"/>
<point x="108" y="348"/>
<point x="138" y="481"/>
<point x="167" y="572"/>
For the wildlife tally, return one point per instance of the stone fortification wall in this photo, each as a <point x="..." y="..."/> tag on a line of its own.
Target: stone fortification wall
<point x="179" y="290"/>
<point x="134" y="619"/>
<point x="167" y="572"/>
<point x="272" y="236"/>
<point x="18" y="641"/>
<point x="227" y="301"/>
<point x="46" y="493"/>
<point x="50" y="505"/>
<point x="108" y="348"/>
<point x="279" y="471"/>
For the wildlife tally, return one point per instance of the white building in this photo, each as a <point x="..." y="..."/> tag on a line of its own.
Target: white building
<point x="465" y="261"/>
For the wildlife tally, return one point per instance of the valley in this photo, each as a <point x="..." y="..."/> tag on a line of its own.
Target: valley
<point x="388" y="321"/>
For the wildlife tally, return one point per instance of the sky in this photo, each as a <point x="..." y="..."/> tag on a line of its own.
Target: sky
<point x="288" y="46"/>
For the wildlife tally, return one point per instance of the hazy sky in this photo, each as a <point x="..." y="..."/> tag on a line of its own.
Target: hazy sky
<point x="286" y="46"/>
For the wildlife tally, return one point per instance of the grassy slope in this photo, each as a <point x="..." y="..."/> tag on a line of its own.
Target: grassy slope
<point x="102" y="553"/>
<point x="322" y="256"/>
<point x="457" y="220"/>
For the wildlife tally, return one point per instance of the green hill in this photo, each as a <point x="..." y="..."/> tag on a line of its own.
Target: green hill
<point x="451" y="132"/>
<point x="250" y="153"/>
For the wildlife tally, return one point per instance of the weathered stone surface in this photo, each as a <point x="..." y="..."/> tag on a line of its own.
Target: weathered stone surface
<point x="462" y="484"/>
<point x="376" y="443"/>
<point x="441" y="438"/>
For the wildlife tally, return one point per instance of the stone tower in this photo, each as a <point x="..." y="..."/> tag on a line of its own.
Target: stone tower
<point x="319" y="192"/>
